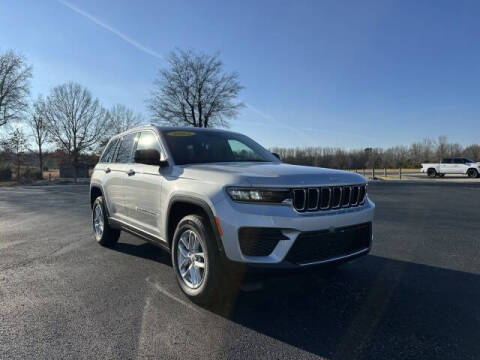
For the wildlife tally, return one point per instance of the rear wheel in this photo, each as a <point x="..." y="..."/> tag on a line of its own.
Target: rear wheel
<point x="102" y="232"/>
<point x="196" y="260"/>
<point x="431" y="172"/>
<point x="472" y="173"/>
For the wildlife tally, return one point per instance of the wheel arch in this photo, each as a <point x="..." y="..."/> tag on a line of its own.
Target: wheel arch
<point x="430" y="169"/>
<point x="180" y="206"/>
<point x="472" y="170"/>
<point x="95" y="191"/>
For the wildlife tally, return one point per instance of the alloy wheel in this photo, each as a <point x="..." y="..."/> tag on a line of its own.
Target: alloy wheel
<point x="191" y="259"/>
<point x="98" y="224"/>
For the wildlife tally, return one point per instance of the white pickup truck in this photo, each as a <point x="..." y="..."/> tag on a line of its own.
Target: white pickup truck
<point x="452" y="166"/>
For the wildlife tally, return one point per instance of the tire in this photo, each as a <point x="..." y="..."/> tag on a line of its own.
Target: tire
<point x="431" y="173"/>
<point x="200" y="278"/>
<point x="102" y="232"/>
<point x="472" y="173"/>
<point x="441" y="175"/>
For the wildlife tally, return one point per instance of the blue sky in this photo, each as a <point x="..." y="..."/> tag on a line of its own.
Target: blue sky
<point x="327" y="73"/>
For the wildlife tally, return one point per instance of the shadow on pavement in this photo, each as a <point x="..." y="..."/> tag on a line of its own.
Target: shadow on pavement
<point x="373" y="308"/>
<point x="145" y="251"/>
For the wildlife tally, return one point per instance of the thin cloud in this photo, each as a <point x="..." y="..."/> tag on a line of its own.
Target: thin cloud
<point x="299" y="131"/>
<point x="154" y="53"/>
<point x="114" y="31"/>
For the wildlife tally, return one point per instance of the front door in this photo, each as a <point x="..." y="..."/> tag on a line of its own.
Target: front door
<point x="447" y="167"/>
<point x="144" y="188"/>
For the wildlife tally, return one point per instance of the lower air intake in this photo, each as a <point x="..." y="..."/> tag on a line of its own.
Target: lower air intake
<point x="324" y="245"/>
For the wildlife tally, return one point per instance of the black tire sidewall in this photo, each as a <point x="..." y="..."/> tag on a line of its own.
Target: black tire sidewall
<point x="473" y="173"/>
<point x="198" y="225"/>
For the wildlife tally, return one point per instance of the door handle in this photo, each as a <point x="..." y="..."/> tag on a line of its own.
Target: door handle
<point x="107" y="170"/>
<point x="131" y="172"/>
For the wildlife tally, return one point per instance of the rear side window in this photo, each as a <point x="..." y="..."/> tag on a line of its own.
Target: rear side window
<point x="124" y="153"/>
<point x="109" y="151"/>
<point x="458" y="161"/>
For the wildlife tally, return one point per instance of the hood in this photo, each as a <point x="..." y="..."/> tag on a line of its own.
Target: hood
<point x="269" y="174"/>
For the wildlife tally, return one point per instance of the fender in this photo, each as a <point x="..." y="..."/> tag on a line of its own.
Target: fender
<point x="201" y="203"/>
<point x="100" y="187"/>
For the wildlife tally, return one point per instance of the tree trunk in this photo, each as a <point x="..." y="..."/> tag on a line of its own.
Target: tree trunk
<point x="40" y="158"/>
<point x="18" y="168"/>
<point x="75" y="163"/>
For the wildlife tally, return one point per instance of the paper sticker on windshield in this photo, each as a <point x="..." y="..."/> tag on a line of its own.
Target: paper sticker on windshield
<point x="180" y="133"/>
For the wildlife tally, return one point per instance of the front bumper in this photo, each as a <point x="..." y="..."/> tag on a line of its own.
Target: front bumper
<point x="234" y="216"/>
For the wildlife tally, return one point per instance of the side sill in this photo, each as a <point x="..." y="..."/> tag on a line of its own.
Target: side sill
<point x="120" y="225"/>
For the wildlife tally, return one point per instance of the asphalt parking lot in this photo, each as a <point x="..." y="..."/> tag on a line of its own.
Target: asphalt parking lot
<point x="417" y="295"/>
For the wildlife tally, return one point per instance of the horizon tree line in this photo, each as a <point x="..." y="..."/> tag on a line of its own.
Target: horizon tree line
<point x="193" y="89"/>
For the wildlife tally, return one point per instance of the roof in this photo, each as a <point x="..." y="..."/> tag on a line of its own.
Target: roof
<point x="171" y="128"/>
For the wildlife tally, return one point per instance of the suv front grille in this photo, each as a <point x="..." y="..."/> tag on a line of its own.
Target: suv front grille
<point x="324" y="245"/>
<point x="329" y="197"/>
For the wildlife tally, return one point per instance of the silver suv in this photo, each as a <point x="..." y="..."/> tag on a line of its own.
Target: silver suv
<point x="216" y="200"/>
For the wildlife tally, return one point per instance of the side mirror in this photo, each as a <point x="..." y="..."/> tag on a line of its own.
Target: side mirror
<point x="150" y="157"/>
<point x="277" y="156"/>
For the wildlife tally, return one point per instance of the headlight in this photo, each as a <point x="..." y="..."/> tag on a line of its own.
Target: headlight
<point x="272" y="196"/>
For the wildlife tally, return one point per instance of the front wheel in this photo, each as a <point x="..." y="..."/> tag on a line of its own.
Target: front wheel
<point x="196" y="260"/>
<point x="472" y="173"/>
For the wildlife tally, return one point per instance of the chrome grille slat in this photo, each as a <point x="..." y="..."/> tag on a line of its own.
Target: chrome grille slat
<point x="328" y="197"/>
<point x="313" y="194"/>
<point x="338" y="204"/>
<point x="346" y="189"/>
<point x="296" y="194"/>
<point x="354" y="195"/>
<point x="327" y="192"/>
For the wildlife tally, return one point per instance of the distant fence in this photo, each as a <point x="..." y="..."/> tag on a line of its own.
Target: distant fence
<point x="71" y="171"/>
<point x="388" y="173"/>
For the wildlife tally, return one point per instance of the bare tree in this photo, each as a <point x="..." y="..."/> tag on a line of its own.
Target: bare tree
<point x="16" y="144"/>
<point x="76" y="121"/>
<point x="123" y="119"/>
<point x="472" y="152"/>
<point x="195" y="91"/>
<point x="15" y="77"/>
<point x="38" y="123"/>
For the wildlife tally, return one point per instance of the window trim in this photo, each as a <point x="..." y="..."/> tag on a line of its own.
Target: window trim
<point x="114" y="150"/>
<point x="134" y="145"/>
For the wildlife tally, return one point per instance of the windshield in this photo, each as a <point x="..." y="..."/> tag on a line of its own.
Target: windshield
<point x="195" y="147"/>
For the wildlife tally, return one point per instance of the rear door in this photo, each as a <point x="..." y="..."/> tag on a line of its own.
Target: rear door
<point x="107" y="162"/>
<point x="119" y="170"/>
<point x="459" y="166"/>
<point x="144" y="188"/>
<point x="446" y="166"/>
